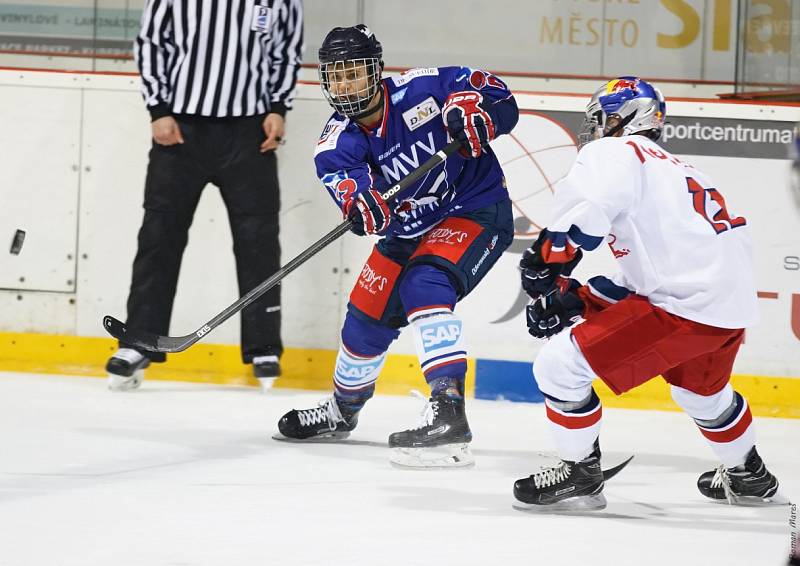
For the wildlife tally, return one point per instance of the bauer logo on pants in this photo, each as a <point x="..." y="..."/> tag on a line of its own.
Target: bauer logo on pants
<point x="440" y="335"/>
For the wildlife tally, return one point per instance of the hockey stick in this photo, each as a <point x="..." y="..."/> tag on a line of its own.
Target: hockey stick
<point x="151" y="342"/>
<point x="611" y="472"/>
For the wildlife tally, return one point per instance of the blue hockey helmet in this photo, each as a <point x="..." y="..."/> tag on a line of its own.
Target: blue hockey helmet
<point x="350" y="67"/>
<point x="626" y="104"/>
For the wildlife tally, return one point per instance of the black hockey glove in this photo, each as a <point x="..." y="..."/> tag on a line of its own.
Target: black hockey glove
<point x="368" y="212"/>
<point x="560" y="312"/>
<point x="540" y="278"/>
<point x="467" y="121"/>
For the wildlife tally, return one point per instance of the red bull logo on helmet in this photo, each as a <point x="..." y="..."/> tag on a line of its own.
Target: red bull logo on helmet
<point x="622" y="84"/>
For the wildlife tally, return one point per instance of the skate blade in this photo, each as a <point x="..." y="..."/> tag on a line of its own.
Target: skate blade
<point x="123" y="383"/>
<point x="266" y="383"/>
<point x="753" y="501"/>
<point x="433" y="457"/>
<point x="328" y="438"/>
<point x="581" y="504"/>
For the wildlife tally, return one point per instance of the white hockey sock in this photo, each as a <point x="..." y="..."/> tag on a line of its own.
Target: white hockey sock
<point x="725" y="420"/>
<point x="575" y="425"/>
<point x="355" y="374"/>
<point x="439" y="340"/>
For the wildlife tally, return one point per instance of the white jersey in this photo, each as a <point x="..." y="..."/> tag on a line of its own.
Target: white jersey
<point x="668" y="226"/>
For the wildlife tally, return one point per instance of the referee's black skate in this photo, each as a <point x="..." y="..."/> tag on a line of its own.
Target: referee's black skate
<point x="328" y="420"/>
<point x="126" y="369"/>
<point x="266" y="369"/>
<point x="750" y="483"/>
<point x="567" y="486"/>
<point x="440" y="440"/>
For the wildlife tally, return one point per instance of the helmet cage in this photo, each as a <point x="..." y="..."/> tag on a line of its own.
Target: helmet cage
<point x="347" y="87"/>
<point x="593" y="123"/>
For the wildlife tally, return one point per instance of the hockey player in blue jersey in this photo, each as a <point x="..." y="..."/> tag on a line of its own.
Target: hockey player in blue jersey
<point x="439" y="237"/>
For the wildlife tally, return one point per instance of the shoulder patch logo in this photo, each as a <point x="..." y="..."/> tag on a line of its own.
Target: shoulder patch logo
<point x="330" y="135"/>
<point x="423" y="112"/>
<point x="399" y="95"/>
<point x="477" y="80"/>
<point x="412" y="74"/>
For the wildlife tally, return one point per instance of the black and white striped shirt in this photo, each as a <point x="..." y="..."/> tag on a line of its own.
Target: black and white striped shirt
<point x="219" y="57"/>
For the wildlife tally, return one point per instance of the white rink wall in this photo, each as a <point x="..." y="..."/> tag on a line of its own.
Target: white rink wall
<point x="73" y="159"/>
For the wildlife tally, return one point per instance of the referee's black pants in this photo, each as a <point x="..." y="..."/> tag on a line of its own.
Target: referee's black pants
<point x="225" y="152"/>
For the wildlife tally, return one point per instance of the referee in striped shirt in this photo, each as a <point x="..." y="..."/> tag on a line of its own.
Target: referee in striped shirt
<point x="218" y="77"/>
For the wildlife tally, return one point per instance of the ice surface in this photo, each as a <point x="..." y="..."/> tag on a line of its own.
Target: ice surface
<point x="180" y="474"/>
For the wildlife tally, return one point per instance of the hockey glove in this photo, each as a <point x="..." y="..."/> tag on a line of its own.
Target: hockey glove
<point x="467" y="121"/>
<point x="540" y="278"/>
<point x="559" y="311"/>
<point x="368" y="212"/>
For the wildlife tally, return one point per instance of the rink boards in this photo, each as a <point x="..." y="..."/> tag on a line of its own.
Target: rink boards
<point x="311" y="369"/>
<point x="73" y="178"/>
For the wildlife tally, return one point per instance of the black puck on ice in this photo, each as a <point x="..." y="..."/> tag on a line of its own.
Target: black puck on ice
<point x="16" y="243"/>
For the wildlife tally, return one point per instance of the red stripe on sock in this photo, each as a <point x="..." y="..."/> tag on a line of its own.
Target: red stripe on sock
<point x="582" y="421"/>
<point x="731" y="434"/>
<point x="353" y="354"/>
<point x="410" y="314"/>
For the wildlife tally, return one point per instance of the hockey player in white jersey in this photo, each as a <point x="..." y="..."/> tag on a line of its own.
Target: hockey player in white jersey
<point x="677" y="308"/>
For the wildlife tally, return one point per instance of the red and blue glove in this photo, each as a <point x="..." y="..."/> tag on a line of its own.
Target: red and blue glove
<point x="368" y="212"/>
<point x="467" y="121"/>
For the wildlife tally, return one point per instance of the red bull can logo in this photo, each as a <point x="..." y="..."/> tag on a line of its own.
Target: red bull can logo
<point x="621" y="84"/>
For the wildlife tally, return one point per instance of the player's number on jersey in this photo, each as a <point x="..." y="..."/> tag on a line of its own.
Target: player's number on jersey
<point x="702" y="200"/>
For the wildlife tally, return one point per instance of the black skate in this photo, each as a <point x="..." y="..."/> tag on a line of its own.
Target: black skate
<point x="440" y="440"/>
<point x="126" y="369"/>
<point x="748" y="484"/>
<point x="567" y="486"/>
<point x="325" y="421"/>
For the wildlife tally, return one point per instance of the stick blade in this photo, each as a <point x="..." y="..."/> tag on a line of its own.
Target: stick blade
<point x="611" y="472"/>
<point x="114" y="327"/>
<point x="139" y="339"/>
<point x="148" y="341"/>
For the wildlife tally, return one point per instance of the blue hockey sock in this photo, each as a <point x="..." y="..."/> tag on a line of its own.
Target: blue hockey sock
<point x="449" y="386"/>
<point x="349" y="403"/>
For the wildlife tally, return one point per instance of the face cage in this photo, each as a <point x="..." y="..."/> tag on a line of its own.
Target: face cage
<point x="596" y="123"/>
<point x="350" y="100"/>
<point x="592" y="128"/>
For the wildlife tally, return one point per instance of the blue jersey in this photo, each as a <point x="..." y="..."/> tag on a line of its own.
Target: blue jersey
<point x="350" y="158"/>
